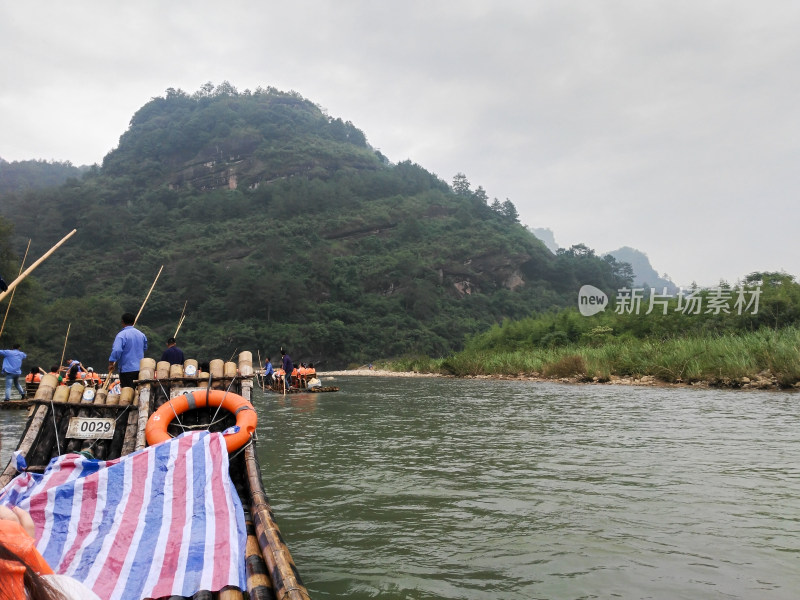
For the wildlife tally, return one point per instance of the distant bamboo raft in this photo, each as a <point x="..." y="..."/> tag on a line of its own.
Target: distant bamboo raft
<point x="271" y="572"/>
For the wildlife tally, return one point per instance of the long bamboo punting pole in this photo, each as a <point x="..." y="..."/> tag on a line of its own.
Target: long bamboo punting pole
<point x="148" y="295"/>
<point x="30" y="269"/>
<point x="10" y="300"/>
<point x="180" y="321"/>
<point x="66" y="337"/>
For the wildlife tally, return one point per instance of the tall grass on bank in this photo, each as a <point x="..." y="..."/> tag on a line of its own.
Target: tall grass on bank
<point x="721" y="360"/>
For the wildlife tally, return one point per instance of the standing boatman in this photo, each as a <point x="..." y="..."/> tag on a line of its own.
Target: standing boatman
<point x="288" y="367"/>
<point x="12" y="369"/>
<point x="127" y="352"/>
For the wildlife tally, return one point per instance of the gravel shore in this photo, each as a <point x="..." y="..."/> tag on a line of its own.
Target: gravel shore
<point x="376" y="373"/>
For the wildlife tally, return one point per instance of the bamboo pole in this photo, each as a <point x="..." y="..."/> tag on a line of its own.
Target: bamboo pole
<point x="66" y="337"/>
<point x="148" y="295"/>
<point x="180" y="320"/>
<point x="260" y="364"/>
<point x="10" y="300"/>
<point x="179" y="326"/>
<point x="30" y="269"/>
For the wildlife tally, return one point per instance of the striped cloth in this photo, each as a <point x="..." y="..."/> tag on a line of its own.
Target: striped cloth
<point x="163" y="521"/>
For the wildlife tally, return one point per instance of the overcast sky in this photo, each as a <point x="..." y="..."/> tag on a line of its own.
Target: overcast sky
<point x="672" y="127"/>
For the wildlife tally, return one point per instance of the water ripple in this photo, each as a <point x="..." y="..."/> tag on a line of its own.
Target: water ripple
<point x="407" y="488"/>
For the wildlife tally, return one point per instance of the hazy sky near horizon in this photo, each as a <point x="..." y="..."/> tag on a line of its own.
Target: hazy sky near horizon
<point x="672" y="127"/>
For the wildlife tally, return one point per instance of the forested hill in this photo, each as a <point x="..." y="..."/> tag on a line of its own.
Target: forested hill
<point x="277" y="225"/>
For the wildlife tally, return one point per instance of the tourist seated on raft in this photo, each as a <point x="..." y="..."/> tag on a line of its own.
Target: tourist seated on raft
<point x="55" y="370"/>
<point x="23" y="570"/>
<point x="277" y="378"/>
<point x="74" y="375"/>
<point x="92" y="376"/>
<point x="34" y="376"/>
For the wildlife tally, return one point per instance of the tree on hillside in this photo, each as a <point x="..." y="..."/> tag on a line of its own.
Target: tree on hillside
<point x="461" y="185"/>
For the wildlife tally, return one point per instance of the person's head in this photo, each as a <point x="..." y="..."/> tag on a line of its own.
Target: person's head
<point x="128" y="319"/>
<point x="34" y="370"/>
<point x="171" y="341"/>
<point x="15" y="347"/>
<point x="73" y="372"/>
<point x="55" y="369"/>
<point x="90" y="369"/>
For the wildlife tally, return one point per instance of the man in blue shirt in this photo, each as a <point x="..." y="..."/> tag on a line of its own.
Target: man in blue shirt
<point x="127" y="352"/>
<point x="12" y="369"/>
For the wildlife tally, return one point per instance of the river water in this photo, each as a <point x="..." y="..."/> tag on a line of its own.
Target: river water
<point x="419" y="488"/>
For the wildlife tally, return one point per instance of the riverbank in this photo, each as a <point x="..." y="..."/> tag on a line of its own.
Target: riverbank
<point x="764" y="359"/>
<point x="763" y="381"/>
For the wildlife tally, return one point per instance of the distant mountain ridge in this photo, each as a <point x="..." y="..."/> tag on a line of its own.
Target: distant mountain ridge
<point x="644" y="275"/>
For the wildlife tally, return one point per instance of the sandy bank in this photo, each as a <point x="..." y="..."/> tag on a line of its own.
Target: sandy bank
<point x="759" y="383"/>
<point x="376" y="372"/>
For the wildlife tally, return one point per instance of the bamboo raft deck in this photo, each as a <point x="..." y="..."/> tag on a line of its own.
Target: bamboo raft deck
<point x="300" y="385"/>
<point x="271" y="572"/>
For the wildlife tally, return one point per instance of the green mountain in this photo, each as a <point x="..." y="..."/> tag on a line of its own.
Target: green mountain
<point x="18" y="176"/>
<point x="277" y="225"/>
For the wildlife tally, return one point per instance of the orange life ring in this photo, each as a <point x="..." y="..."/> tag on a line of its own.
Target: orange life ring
<point x="246" y="418"/>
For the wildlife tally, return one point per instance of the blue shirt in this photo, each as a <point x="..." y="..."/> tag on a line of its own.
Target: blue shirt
<point x="12" y="361"/>
<point x="268" y="370"/>
<point x="128" y="349"/>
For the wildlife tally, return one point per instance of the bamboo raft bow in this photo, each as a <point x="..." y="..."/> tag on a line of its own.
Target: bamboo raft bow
<point x="270" y="570"/>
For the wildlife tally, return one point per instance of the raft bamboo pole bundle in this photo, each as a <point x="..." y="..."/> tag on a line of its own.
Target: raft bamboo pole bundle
<point x="30" y="269"/>
<point x="259" y="585"/>
<point x="282" y="569"/>
<point x="283" y="572"/>
<point x="45" y="393"/>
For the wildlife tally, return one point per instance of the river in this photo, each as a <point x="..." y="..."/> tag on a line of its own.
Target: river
<point x="421" y="488"/>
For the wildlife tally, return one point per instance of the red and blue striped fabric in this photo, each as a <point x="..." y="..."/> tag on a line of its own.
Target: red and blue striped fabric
<point x="160" y="522"/>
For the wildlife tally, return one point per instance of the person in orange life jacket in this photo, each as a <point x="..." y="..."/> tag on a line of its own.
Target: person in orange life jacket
<point x="75" y="374"/>
<point x="92" y="376"/>
<point x="35" y="376"/>
<point x="12" y="369"/>
<point x="56" y="370"/>
<point x="24" y="571"/>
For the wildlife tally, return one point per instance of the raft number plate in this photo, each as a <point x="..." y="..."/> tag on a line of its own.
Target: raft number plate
<point x="86" y="428"/>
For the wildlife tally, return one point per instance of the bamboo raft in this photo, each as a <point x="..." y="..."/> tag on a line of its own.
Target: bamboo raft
<point x="271" y="572"/>
<point x="299" y="385"/>
<point x="15" y="405"/>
